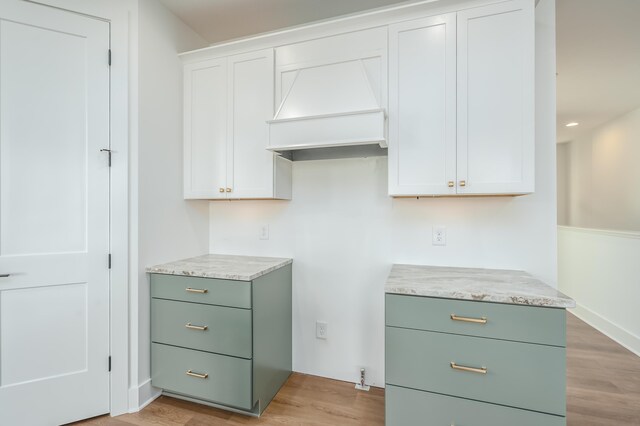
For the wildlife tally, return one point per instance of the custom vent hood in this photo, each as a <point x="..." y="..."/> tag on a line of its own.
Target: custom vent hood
<point x="333" y="100"/>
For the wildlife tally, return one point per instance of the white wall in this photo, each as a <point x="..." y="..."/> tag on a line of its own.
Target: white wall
<point x="600" y="270"/>
<point x="562" y="172"/>
<point x="168" y="227"/>
<point x="344" y="233"/>
<point x="602" y="176"/>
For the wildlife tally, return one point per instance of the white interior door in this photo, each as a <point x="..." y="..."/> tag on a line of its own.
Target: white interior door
<point x="54" y="215"/>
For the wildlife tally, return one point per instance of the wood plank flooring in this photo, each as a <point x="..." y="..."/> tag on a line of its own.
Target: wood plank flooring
<point x="603" y="388"/>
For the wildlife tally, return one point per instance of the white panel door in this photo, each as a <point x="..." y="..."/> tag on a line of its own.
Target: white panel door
<point x="54" y="215"/>
<point x="496" y="141"/>
<point x="250" y="104"/>
<point x="205" y="130"/>
<point x="422" y="106"/>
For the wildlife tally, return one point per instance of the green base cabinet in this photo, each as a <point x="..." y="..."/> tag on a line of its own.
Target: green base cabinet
<point x="452" y="362"/>
<point x="222" y="342"/>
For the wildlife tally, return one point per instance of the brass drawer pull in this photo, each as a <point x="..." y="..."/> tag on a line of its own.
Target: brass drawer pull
<point x="482" y="320"/>
<point x="451" y="184"/>
<point x="197" y="327"/>
<point x="197" y="290"/>
<point x="481" y="370"/>
<point x="198" y="375"/>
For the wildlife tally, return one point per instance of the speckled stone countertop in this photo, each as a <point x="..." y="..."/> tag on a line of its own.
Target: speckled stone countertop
<point x="487" y="285"/>
<point x="221" y="266"/>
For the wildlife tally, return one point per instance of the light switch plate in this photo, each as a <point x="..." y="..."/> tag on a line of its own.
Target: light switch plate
<point x="264" y="232"/>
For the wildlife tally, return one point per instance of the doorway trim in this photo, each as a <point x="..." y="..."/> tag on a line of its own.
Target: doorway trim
<point x="123" y="18"/>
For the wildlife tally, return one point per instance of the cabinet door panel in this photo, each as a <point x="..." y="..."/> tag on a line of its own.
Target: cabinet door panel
<point x="422" y="112"/>
<point x="205" y="122"/>
<point x="496" y="99"/>
<point x="250" y="104"/>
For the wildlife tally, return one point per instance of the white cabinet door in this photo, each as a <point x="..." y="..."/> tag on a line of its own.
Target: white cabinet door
<point x="250" y="166"/>
<point x="422" y="107"/>
<point x="496" y="99"/>
<point x="54" y="215"/>
<point x="205" y="129"/>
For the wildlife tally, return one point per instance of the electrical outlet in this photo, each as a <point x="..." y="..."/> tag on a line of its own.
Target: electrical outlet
<point x="439" y="237"/>
<point x="321" y="330"/>
<point x="264" y="232"/>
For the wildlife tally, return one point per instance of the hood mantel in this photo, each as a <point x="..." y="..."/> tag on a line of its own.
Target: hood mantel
<point x="334" y="99"/>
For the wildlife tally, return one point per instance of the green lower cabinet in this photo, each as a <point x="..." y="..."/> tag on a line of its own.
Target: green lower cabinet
<point x="222" y="342"/>
<point x="408" y="407"/>
<point x="223" y="379"/>
<point x="517" y="374"/>
<point x="217" y="329"/>
<point x="451" y="362"/>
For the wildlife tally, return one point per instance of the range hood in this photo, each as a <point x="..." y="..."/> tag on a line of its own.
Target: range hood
<point x="332" y="105"/>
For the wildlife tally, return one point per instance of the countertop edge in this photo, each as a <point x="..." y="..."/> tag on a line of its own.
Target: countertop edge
<point x="518" y="300"/>
<point x="216" y="275"/>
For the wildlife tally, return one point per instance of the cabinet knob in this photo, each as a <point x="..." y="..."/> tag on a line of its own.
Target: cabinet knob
<point x="221" y="190"/>
<point x="451" y="184"/>
<point x="463" y="183"/>
<point x="228" y="189"/>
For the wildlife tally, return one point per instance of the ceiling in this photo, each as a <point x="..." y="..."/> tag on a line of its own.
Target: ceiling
<point x="219" y="20"/>
<point x="598" y="60"/>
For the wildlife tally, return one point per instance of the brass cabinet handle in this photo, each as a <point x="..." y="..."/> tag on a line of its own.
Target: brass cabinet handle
<point x="451" y="184"/>
<point x="228" y="189"/>
<point x="463" y="183"/>
<point x="481" y="370"/>
<point x="221" y="189"/>
<point x="482" y="320"/>
<point x="198" y="375"/>
<point x="197" y="327"/>
<point x="197" y="290"/>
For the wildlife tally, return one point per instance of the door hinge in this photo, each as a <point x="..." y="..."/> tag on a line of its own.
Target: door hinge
<point x="109" y="362"/>
<point x="109" y="261"/>
<point x="109" y="57"/>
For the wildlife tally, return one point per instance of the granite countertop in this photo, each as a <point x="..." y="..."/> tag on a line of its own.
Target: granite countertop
<point x="487" y="285"/>
<point x="221" y="266"/>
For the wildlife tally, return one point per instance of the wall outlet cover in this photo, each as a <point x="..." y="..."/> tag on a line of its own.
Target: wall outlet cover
<point x="439" y="236"/>
<point x="321" y="330"/>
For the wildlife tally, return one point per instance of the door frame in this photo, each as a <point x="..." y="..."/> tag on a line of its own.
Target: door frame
<point x="123" y="19"/>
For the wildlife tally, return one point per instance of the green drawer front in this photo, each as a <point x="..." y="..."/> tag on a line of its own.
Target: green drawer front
<point x="228" y="381"/>
<point x="228" y="330"/>
<point x="236" y="294"/>
<point x="509" y="322"/>
<point x="520" y="375"/>
<point x="408" y="407"/>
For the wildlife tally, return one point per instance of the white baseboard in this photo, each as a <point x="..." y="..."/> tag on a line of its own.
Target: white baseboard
<point x="142" y="395"/>
<point x="611" y="330"/>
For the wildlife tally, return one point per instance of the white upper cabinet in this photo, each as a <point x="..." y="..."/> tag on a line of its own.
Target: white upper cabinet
<point x="227" y="104"/>
<point x="496" y="109"/>
<point x="461" y="104"/>
<point x="422" y="106"/>
<point x="450" y="95"/>
<point x="205" y="129"/>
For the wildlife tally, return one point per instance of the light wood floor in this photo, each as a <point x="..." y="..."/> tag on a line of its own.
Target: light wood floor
<point x="603" y="388"/>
